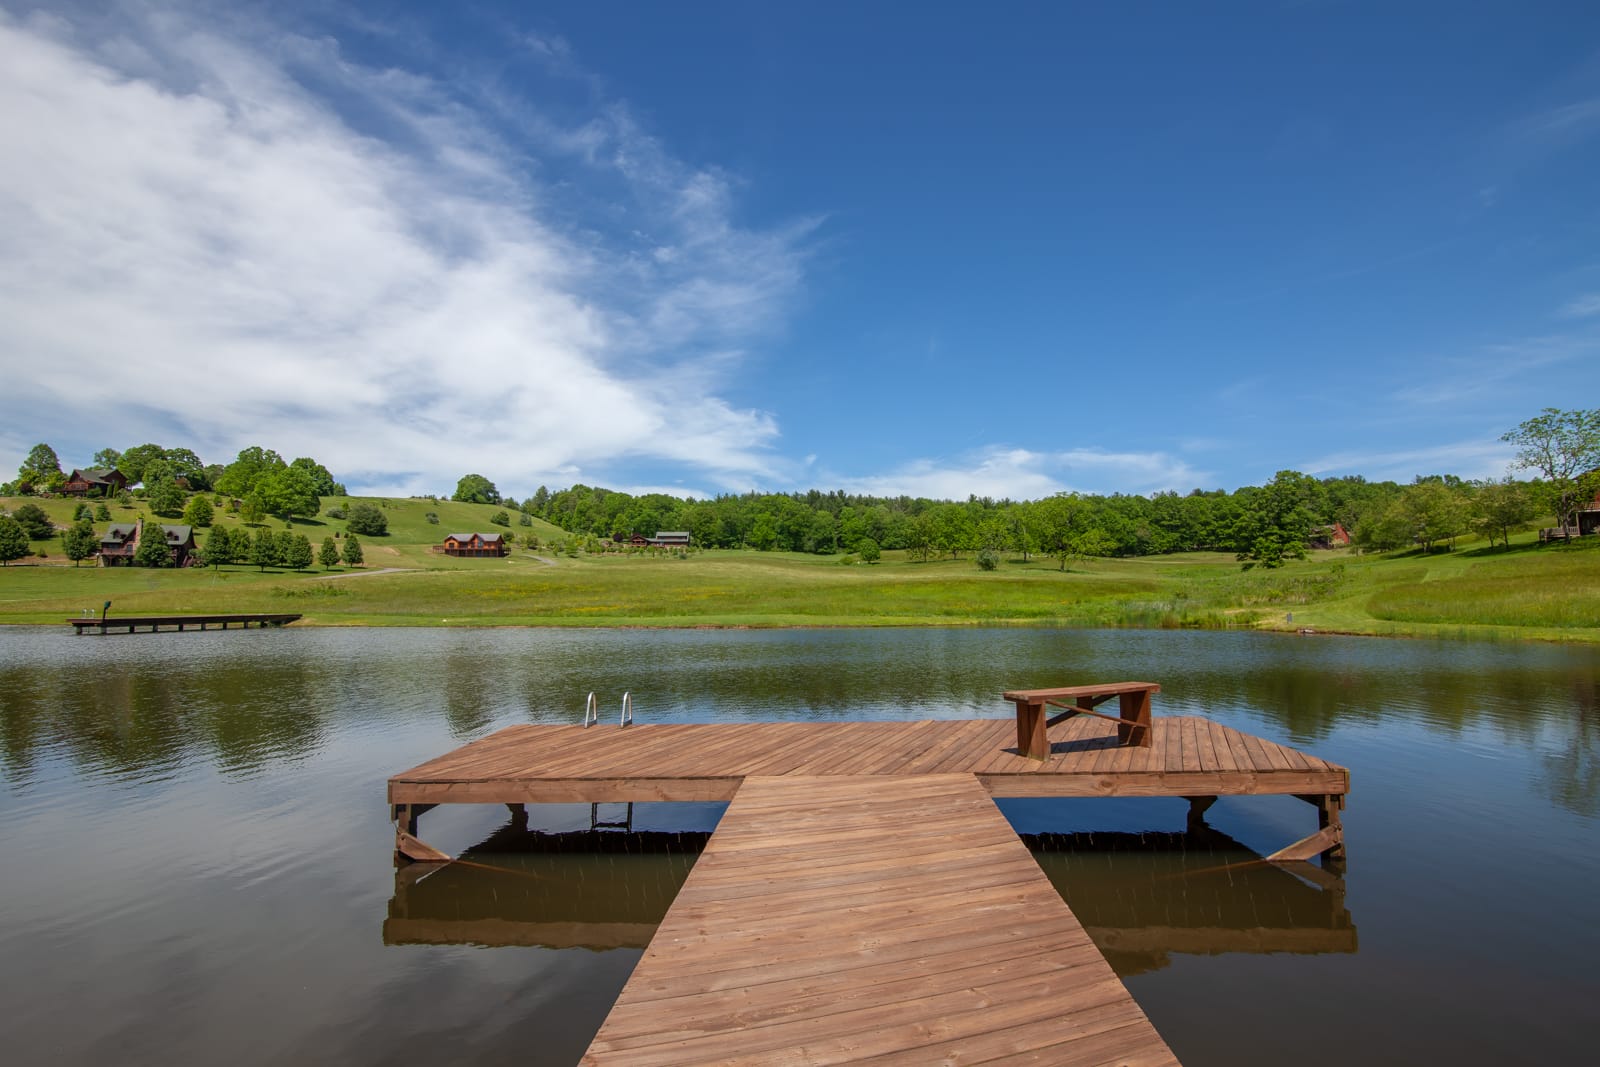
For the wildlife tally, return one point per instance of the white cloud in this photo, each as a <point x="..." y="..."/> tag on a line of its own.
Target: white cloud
<point x="199" y="249"/>
<point x="1020" y="474"/>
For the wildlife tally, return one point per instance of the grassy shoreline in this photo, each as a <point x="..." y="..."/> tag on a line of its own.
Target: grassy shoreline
<point x="1529" y="592"/>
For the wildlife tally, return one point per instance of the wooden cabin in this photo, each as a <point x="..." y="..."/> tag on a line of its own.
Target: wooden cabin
<point x="476" y="545"/>
<point x="121" y="541"/>
<point x="671" y="539"/>
<point x="108" y="482"/>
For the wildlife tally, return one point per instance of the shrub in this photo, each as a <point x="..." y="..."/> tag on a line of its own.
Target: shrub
<point x="500" y="518"/>
<point x="336" y="512"/>
<point x="432" y="517"/>
<point x="988" y="559"/>
<point x="869" y="550"/>
<point x="368" y="520"/>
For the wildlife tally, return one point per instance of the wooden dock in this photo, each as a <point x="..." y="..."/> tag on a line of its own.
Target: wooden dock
<point x="156" y="623"/>
<point x="862" y="897"/>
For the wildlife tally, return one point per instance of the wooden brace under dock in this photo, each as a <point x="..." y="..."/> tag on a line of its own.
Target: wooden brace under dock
<point x="862" y="897"/>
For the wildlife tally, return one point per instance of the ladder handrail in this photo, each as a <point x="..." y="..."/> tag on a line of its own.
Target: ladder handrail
<point x="626" y="718"/>
<point x="591" y="711"/>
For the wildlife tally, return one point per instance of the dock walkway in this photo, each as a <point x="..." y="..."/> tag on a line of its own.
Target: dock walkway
<point x="849" y="918"/>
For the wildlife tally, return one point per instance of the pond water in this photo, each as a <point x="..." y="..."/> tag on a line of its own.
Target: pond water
<point x="197" y="851"/>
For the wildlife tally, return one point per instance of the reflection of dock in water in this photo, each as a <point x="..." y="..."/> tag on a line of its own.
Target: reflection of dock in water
<point x="1140" y="897"/>
<point x="594" y="890"/>
<point x="1143" y="896"/>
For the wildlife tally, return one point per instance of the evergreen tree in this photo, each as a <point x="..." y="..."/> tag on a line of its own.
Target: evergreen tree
<point x="102" y="513"/>
<point x="352" y="551"/>
<point x="13" y="540"/>
<point x="328" y="555"/>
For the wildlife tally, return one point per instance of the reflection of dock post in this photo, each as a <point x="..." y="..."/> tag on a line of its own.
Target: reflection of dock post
<point x="519" y="816"/>
<point x="1198" y="806"/>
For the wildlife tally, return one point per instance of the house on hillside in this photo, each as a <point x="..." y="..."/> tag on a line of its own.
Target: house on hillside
<point x="1589" y="515"/>
<point x="82" y="482"/>
<point x="671" y="539"/>
<point x="121" y="541"/>
<point x="476" y="545"/>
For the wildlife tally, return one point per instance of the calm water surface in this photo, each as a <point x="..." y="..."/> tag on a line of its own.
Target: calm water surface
<point x="196" y="853"/>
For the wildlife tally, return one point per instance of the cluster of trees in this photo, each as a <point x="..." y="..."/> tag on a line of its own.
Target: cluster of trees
<point x="258" y="477"/>
<point x="1262" y="525"/>
<point x="266" y="548"/>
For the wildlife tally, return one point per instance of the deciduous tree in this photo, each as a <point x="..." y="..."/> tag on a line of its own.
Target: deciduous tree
<point x="328" y="554"/>
<point x="352" y="551"/>
<point x="296" y="550"/>
<point x="79" y="541"/>
<point x="476" y="489"/>
<point x="1564" y="446"/>
<point x="153" y="550"/>
<point x="198" y="513"/>
<point x="41" y="461"/>
<point x="219" y="547"/>
<point x="13" y="540"/>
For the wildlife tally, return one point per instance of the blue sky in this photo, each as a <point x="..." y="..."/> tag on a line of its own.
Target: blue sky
<point x="937" y="249"/>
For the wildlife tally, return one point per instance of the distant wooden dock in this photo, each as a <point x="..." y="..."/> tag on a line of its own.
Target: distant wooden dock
<point x="157" y="623"/>
<point x="862" y="897"/>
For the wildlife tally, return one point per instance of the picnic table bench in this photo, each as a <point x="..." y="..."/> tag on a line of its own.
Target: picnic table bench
<point x="1133" y="725"/>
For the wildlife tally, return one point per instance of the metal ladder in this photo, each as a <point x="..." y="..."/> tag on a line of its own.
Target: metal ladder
<point x="591" y="716"/>
<point x="591" y="711"/>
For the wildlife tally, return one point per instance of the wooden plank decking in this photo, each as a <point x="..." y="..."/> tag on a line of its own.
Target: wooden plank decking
<point x="836" y="919"/>
<point x="707" y="761"/>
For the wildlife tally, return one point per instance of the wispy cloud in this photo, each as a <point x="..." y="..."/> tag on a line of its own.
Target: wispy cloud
<point x="217" y="240"/>
<point x="1582" y="307"/>
<point x="1466" y="459"/>
<point x="1020" y="474"/>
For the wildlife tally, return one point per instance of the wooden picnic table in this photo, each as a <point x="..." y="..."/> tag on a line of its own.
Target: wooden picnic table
<point x="1133" y="725"/>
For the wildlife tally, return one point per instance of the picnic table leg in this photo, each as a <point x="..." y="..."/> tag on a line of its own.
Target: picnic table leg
<point x="1135" y="709"/>
<point x="1031" y="738"/>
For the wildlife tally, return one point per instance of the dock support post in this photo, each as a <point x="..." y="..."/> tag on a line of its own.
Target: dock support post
<point x="1198" y="806"/>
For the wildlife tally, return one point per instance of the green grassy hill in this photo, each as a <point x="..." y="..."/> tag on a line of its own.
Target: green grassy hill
<point x="1529" y="591"/>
